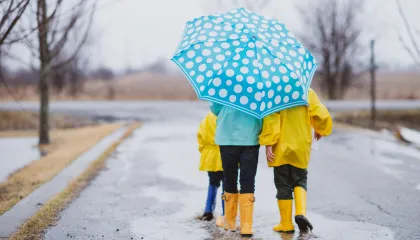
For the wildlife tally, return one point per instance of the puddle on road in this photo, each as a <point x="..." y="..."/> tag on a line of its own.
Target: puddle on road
<point x="182" y="224"/>
<point x="17" y="153"/>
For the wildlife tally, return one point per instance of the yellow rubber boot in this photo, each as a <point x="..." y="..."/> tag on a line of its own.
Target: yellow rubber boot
<point x="286" y="224"/>
<point x="300" y="215"/>
<point x="231" y="211"/>
<point x="246" y="207"/>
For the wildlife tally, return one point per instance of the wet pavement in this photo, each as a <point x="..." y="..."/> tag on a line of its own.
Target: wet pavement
<point x="17" y="153"/>
<point x="361" y="186"/>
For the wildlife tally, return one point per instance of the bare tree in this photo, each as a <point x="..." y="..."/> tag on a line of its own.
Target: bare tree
<point x="11" y="13"/>
<point x="56" y="23"/>
<point x="333" y="33"/>
<point x="412" y="43"/>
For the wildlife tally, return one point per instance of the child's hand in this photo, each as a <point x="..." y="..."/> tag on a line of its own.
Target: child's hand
<point x="317" y="136"/>
<point x="269" y="153"/>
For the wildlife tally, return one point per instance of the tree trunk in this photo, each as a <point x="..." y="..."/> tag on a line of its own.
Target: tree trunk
<point x="44" y="137"/>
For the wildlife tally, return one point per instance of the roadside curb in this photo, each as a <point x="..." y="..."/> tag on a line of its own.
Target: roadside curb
<point x="11" y="220"/>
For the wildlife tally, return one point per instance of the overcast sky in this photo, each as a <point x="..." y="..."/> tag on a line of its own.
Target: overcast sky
<point x="137" y="32"/>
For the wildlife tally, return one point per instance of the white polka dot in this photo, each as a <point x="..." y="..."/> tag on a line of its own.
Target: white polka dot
<point x="202" y="38"/>
<point x="291" y="41"/>
<point x="283" y="49"/>
<point x="245" y="61"/>
<point x="202" y="67"/>
<point x="257" y="96"/>
<point x="286" y="99"/>
<point x="285" y="79"/>
<point x="251" y="44"/>
<point x="217" y="66"/>
<point x="265" y="74"/>
<point x="206" y="52"/>
<point x="280" y="55"/>
<point x="277" y="61"/>
<point x="192" y="73"/>
<point x="269" y="105"/>
<point x="189" y="65"/>
<point x="198" y="59"/>
<point x="235" y="64"/>
<point x="223" y="93"/>
<point x="229" y="82"/>
<point x="217" y="50"/>
<point x="225" y="45"/>
<point x="288" y="58"/>
<point x="293" y="75"/>
<point x="208" y="25"/>
<point x="213" y="34"/>
<point x="228" y="53"/>
<point x="279" y="88"/>
<point x="243" y="100"/>
<point x="283" y="69"/>
<point x="264" y="25"/>
<point x="276" y="79"/>
<point x="217" y="82"/>
<point x="255" y="63"/>
<point x="191" y="54"/>
<point x="202" y="88"/>
<point x="232" y="98"/>
<point x="267" y="61"/>
<point x="239" y="78"/>
<point x="250" y="53"/>
<point x="268" y="84"/>
<point x="250" y="79"/>
<point x="262" y="106"/>
<point x="256" y="71"/>
<point x="298" y="84"/>
<point x="228" y="28"/>
<point x="275" y="43"/>
<point x="310" y="65"/>
<point x="198" y="23"/>
<point x="288" y="88"/>
<point x="253" y="106"/>
<point x="211" y="92"/>
<point x="200" y="79"/>
<point x="277" y="99"/>
<point x="209" y="73"/>
<point x="236" y="43"/>
<point x="209" y="60"/>
<point x="295" y="95"/>
<point x="237" y="88"/>
<point x="290" y="67"/>
<point x="273" y="69"/>
<point x="181" y="60"/>
<point x="260" y="85"/>
<point x="292" y="53"/>
<point x="220" y="57"/>
<point x="278" y="27"/>
<point x="298" y="65"/>
<point x="230" y="73"/>
<point x="237" y="57"/>
<point x="249" y="89"/>
<point x="234" y="36"/>
<point x="244" y="70"/>
<point x="270" y="93"/>
<point x="264" y="51"/>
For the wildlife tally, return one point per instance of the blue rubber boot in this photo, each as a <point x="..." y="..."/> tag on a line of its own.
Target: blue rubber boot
<point x="210" y="203"/>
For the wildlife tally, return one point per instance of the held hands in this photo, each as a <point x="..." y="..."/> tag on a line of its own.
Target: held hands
<point x="317" y="136"/>
<point x="269" y="153"/>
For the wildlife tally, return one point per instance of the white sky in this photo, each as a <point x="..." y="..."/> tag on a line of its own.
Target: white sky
<point x="136" y="32"/>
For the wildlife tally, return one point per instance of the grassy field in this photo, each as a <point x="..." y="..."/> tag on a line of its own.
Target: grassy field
<point x="66" y="146"/>
<point x="155" y="86"/>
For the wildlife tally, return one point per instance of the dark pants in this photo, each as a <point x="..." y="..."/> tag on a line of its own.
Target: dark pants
<point x="286" y="178"/>
<point x="247" y="159"/>
<point x="215" y="178"/>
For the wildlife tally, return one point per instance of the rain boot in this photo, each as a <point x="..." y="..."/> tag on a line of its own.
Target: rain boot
<point x="300" y="215"/>
<point x="286" y="224"/>
<point x="231" y="211"/>
<point x="221" y="219"/>
<point x="210" y="203"/>
<point x="246" y="206"/>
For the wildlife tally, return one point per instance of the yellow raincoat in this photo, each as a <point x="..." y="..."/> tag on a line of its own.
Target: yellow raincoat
<point x="290" y="132"/>
<point x="210" y="159"/>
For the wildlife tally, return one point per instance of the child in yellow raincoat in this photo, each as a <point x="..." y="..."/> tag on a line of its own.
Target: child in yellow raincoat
<point x="288" y="152"/>
<point x="211" y="162"/>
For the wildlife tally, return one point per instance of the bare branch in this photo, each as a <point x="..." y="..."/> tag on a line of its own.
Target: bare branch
<point x="416" y="49"/>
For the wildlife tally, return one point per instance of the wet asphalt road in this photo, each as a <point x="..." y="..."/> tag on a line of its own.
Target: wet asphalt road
<point x="361" y="186"/>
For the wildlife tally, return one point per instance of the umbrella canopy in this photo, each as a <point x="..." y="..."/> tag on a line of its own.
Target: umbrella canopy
<point x="245" y="61"/>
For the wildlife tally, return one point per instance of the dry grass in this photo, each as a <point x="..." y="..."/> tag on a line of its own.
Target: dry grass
<point x="384" y="119"/>
<point x="66" y="146"/>
<point x="23" y="120"/>
<point x="47" y="216"/>
<point x="155" y="86"/>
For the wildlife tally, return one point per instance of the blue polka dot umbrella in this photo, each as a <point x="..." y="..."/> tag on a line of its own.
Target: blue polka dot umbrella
<point x="245" y="61"/>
